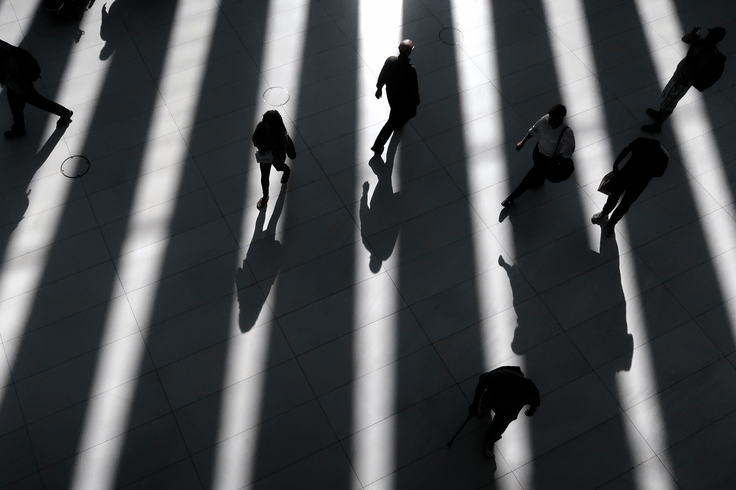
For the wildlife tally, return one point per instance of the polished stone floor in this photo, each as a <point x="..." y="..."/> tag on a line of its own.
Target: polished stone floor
<point x="159" y="332"/>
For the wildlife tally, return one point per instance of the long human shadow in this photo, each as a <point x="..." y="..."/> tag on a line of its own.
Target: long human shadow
<point x="15" y="201"/>
<point x="719" y="328"/>
<point x="432" y="219"/>
<point x="538" y="227"/>
<point x="384" y="204"/>
<point x="65" y="396"/>
<point x="267" y="254"/>
<point x="300" y="431"/>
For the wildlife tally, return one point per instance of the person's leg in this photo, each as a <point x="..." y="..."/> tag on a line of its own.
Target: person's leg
<point x="395" y="121"/>
<point x="633" y="191"/>
<point x="671" y="95"/>
<point x="618" y="187"/>
<point x="501" y="421"/>
<point x="533" y="178"/>
<point x="265" y="173"/>
<point x="282" y="167"/>
<point x="17" y="103"/>
<point x="35" y="99"/>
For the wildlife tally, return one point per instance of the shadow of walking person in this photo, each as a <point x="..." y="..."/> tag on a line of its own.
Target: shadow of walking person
<point x="264" y="259"/>
<point x="19" y="172"/>
<point x="385" y="204"/>
<point x="589" y="304"/>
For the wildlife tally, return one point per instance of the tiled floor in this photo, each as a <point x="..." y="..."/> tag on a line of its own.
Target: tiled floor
<point x="159" y="332"/>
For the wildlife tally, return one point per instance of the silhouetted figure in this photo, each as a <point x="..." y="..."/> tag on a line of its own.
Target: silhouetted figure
<point x="383" y="206"/>
<point x="17" y="74"/>
<point x="274" y="144"/>
<point x="648" y="159"/>
<point x="402" y="89"/>
<point x="504" y="390"/>
<point x="107" y="32"/>
<point x="699" y="64"/>
<point x="556" y="142"/>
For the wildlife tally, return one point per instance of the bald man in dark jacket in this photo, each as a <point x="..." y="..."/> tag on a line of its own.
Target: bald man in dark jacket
<point x="505" y="391"/>
<point x="402" y="88"/>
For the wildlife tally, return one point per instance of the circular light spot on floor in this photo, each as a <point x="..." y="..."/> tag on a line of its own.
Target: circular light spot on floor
<point x="450" y="35"/>
<point x="75" y="166"/>
<point x="276" y="96"/>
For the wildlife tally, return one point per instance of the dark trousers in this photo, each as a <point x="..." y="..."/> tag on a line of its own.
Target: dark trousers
<point x="500" y="422"/>
<point x="396" y="119"/>
<point x="535" y="176"/>
<point x="631" y="189"/>
<point x="266" y="172"/>
<point x="17" y="103"/>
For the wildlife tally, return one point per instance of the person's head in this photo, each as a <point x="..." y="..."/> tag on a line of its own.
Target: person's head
<point x="272" y="119"/>
<point x="715" y="35"/>
<point x="556" y="114"/>
<point x="406" y="47"/>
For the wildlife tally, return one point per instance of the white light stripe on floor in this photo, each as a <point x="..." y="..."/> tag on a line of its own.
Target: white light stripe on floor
<point x="377" y="454"/>
<point x="125" y="366"/>
<point x="234" y="464"/>
<point x="495" y="337"/>
<point x="691" y="152"/>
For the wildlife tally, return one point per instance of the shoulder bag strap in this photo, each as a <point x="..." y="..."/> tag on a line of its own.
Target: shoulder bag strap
<point x="559" y="140"/>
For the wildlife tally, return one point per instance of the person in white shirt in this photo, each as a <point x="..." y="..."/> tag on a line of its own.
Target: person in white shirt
<point x="555" y="142"/>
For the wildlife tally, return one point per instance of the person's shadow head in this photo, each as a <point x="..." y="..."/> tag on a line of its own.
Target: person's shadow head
<point x="379" y="236"/>
<point x="264" y="259"/>
<point x="106" y="29"/>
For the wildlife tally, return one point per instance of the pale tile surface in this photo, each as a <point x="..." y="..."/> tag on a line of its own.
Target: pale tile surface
<point x="157" y="327"/>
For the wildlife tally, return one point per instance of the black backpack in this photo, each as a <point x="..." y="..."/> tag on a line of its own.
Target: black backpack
<point x="711" y="72"/>
<point x="29" y="67"/>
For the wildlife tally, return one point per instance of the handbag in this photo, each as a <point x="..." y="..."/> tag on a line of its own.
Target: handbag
<point x="606" y="185"/>
<point x="290" y="150"/>
<point x="264" y="157"/>
<point x="560" y="168"/>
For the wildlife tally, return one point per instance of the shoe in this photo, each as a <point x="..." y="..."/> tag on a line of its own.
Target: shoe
<point x="489" y="452"/>
<point x="15" y="133"/>
<point x="598" y="217"/>
<point x="64" y="121"/>
<point x="285" y="177"/>
<point x="507" y="202"/>
<point x="656" y="115"/>
<point x="652" y="128"/>
<point x="610" y="228"/>
<point x="262" y="202"/>
<point x="378" y="150"/>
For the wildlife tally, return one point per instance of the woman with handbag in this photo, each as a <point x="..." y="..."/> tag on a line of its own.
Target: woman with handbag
<point x="648" y="159"/>
<point x="274" y="144"/>
<point x="552" y="154"/>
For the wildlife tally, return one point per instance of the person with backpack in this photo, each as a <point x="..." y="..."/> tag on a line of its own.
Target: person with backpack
<point x="18" y="71"/>
<point x="402" y="88"/>
<point x="701" y="67"/>
<point x="506" y="391"/>
<point x="648" y="159"/>
<point x="274" y="145"/>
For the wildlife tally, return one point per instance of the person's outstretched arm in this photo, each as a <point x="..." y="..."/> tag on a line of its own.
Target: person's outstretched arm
<point x="520" y="144"/>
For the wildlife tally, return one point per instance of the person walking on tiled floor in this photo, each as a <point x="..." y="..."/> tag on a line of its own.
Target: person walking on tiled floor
<point x="648" y="159"/>
<point x="552" y="154"/>
<point x="701" y="68"/>
<point x="402" y="89"/>
<point x="506" y="391"/>
<point x="18" y="71"/>
<point x="274" y="145"/>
